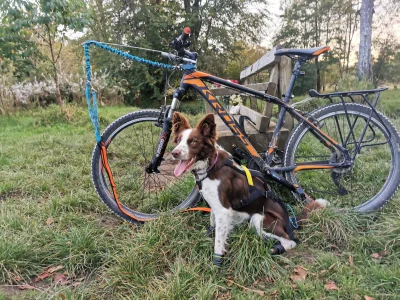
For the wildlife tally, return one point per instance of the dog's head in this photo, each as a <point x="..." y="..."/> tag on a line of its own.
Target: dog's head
<point x="195" y="146"/>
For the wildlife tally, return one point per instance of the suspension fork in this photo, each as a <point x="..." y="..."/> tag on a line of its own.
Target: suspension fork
<point x="165" y="134"/>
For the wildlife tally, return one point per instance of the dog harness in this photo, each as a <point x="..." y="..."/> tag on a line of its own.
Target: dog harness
<point x="254" y="192"/>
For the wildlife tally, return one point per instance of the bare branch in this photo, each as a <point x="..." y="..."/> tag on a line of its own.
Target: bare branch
<point x="59" y="52"/>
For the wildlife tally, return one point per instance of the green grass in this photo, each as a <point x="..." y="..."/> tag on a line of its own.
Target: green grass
<point x="45" y="173"/>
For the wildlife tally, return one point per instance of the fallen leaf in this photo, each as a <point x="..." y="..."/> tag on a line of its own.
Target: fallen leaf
<point x="305" y="269"/>
<point x="376" y="255"/>
<point x="351" y="260"/>
<point x="62" y="296"/>
<point x="42" y="276"/>
<point x="384" y="253"/>
<point x="323" y="271"/>
<point x="26" y="287"/>
<point x="225" y="296"/>
<point x="230" y="281"/>
<point x="300" y="274"/>
<point x="68" y="243"/>
<point x="76" y="283"/>
<point x="54" y="269"/>
<point x="274" y="293"/>
<point x="368" y="298"/>
<point x="61" y="279"/>
<point x="332" y="266"/>
<point x="50" y="221"/>
<point x="331" y="285"/>
<point x="261" y="293"/>
<point x="16" y="278"/>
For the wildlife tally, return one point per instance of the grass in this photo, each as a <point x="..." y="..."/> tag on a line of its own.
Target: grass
<point x="50" y="215"/>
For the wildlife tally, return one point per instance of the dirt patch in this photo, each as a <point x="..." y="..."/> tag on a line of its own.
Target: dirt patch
<point x="10" y="291"/>
<point x="166" y="176"/>
<point x="305" y="254"/>
<point x="13" y="194"/>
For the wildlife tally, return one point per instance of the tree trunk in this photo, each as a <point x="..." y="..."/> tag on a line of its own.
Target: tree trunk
<point x="364" y="70"/>
<point x="53" y="59"/>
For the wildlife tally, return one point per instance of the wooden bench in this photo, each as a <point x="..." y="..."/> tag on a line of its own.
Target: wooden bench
<point x="259" y="134"/>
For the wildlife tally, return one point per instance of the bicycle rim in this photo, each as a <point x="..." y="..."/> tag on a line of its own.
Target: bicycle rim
<point x="130" y="148"/>
<point x="373" y="164"/>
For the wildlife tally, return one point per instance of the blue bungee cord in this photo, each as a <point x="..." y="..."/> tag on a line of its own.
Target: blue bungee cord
<point x="293" y="220"/>
<point x="91" y="95"/>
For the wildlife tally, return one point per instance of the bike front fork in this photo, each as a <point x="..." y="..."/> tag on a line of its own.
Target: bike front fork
<point x="165" y="120"/>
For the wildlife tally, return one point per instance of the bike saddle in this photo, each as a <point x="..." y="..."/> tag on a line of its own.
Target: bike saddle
<point x="305" y="53"/>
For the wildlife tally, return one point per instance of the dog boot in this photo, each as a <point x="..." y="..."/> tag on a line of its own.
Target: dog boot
<point x="218" y="260"/>
<point x="210" y="231"/>
<point x="276" y="249"/>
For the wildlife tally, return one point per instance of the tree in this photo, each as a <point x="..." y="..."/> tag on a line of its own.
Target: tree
<point x="364" y="69"/>
<point x="216" y="26"/>
<point x="48" y="21"/>
<point x="312" y="23"/>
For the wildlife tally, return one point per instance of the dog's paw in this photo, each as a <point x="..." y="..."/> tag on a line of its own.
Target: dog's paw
<point x="288" y="244"/>
<point x="218" y="260"/>
<point x="322" y="202"/>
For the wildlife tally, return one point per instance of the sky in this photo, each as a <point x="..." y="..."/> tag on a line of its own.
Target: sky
<point x="275" y="23"/>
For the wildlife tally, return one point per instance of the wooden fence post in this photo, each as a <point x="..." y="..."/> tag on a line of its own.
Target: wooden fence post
<point x="285" y="73"/>
<point x="271" y="90"/>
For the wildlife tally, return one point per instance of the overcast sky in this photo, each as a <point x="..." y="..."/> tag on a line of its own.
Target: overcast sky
<point x="379" y="18"/>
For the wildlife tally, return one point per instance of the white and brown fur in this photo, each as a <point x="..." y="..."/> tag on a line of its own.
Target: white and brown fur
<point x="225" y="186"/>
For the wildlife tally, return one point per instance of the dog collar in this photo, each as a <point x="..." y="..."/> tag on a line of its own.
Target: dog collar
<point x="196" y="174"/>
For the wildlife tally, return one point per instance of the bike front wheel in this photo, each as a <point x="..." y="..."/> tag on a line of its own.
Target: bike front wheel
<point x="131" y="142"/>
<point x="374" y="146"/>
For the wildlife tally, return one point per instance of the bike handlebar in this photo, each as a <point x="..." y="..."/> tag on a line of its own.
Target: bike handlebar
<point x="177" y="58"/>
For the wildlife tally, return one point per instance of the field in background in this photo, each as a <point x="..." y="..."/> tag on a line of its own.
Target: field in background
<point x="50" y="216"/>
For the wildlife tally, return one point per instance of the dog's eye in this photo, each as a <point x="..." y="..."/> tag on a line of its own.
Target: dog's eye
<point x="194" y="142"/>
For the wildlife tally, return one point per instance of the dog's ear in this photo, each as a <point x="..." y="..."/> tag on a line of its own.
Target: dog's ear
<point x="179" y="123"/>
<point x="207" y="127"/>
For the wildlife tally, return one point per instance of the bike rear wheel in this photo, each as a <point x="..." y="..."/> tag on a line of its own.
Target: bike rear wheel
<point x="131" y="142"/>
<point x="375" y="175"/>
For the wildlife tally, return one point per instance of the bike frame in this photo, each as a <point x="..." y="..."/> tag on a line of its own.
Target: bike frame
<point x="195" y="79"/>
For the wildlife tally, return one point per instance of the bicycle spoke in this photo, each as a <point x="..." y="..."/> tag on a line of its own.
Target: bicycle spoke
<point x="348" y="185"/>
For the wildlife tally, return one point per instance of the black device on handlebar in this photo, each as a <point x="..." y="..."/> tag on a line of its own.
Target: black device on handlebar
<point x="180" y="43"/>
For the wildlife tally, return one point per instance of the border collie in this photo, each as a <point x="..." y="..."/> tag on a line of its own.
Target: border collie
<point x="223" y="187"/>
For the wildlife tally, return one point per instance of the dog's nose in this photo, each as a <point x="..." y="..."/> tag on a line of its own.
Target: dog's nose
<point x="176" y="153"/>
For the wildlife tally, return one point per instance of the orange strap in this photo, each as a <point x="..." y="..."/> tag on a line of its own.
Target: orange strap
<point x="104" y="160"/>
<point x="106" y="166"/>
<point x="205" y="209"/>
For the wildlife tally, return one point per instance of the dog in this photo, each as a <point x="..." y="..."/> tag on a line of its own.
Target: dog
<point x="223" y="187"/>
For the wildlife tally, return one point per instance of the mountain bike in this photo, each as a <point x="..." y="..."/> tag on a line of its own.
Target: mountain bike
<point x="346" y="152"/>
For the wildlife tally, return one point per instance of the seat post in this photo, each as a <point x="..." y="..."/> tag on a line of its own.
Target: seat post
<point x="295" y="73"/>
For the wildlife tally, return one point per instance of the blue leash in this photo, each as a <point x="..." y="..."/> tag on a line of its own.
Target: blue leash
<point x="91" y="95"/>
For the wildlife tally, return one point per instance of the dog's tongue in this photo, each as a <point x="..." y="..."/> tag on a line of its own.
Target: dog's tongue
<point x="180" y="168"/>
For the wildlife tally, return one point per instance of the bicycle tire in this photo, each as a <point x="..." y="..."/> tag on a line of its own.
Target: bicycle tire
<point x="109" y="136"/>
<point x="358" y="111"/>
